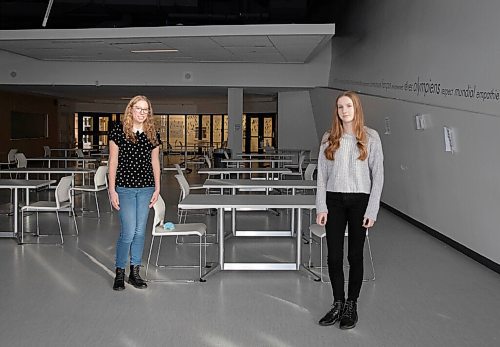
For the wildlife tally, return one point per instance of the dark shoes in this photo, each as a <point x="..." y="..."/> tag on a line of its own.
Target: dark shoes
<point x="333" y="315"/>
<point x="135" y="279"/>
<point x="119" y="283"/>
<point x="349" y="316"/>
<point x="346" y="313"/>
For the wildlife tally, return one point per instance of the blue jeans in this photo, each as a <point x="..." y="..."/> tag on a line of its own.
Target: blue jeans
<point x="134" y="211"/>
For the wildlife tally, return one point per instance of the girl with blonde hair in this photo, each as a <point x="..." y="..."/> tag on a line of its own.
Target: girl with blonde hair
<point x="134" y="184"/>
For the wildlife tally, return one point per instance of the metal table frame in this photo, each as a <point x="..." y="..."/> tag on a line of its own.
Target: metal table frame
<point x="236" y="185"/>
<point x="16" y="184"/>
<point x="220" y="202"/>
<point x="269" y="172"/>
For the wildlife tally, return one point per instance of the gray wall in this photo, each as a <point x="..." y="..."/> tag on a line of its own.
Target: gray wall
<point x="435" y="58"/>
<point x="296" y="126"/>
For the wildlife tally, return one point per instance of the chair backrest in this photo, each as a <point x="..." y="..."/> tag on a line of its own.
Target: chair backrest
<point x="11" y="156"/>
<point x="79" y="153"/>
<point x="21" y="160"/>
<point x="184" y="185"/>
<point x="269" y="149"/>
<point x="100" y="176"/>
<point x="309" y="173"/>
<point x="179" y="169"/>
<point x="159" y="208"/>
<point x="63" y="190"/>
<point x="302" y="157"/>
<point x="208" y="161"/>
<point x="46" y="151"/>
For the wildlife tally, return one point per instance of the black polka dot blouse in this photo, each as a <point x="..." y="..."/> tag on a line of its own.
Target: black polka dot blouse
<point x="134" y="160"/>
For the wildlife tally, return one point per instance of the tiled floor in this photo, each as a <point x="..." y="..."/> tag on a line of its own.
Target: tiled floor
<point x="425" y="293"/>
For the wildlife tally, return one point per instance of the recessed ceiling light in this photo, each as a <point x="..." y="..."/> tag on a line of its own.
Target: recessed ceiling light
<point x="155" y="51"/>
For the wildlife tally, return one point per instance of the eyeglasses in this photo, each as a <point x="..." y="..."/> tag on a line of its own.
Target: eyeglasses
<point x="141" y="110"/>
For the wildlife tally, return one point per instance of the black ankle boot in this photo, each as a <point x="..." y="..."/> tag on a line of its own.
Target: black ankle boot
<point x="135" y="279"/>
<point x="333" y="315"/>
<point x="349" y="316"/>
<point x="119" y="283"/>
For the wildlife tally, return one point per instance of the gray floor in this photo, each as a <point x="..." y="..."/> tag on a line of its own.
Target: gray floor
<point x="425" y="293"/>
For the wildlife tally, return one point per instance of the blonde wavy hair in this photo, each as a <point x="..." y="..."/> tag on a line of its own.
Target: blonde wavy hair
<point x="337" y="129"/>
<point x="149" y="127"/>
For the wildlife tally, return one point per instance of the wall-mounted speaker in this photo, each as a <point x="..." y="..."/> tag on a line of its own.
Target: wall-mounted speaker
<point x="187" y="76"/>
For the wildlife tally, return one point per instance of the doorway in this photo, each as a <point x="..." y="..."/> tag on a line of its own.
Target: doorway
<point x="259" y="132"/>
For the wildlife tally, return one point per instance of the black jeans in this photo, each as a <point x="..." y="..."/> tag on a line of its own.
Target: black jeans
<point x="345" y="209"/>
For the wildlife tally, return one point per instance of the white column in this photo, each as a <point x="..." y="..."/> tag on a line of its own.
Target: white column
<point x="235" y="112"/>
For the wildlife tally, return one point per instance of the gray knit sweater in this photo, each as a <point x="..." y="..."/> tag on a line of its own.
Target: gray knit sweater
<point x="347" y="174"/>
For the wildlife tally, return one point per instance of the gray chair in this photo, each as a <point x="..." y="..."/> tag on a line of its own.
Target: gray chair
<point x="63" y="202"/>
<point x="100" y="184"/>
<point x="319" y="232"/>
<point x="11" y="158"/>
<point x="46" y="151"/>
<point x="80" y="154"/>
<point x="21" y="160"/>
<point x="309" y="171"/>
<point x="189" y="229"/>
<point x="185" y="190"/>
<point x="299" y="173"/>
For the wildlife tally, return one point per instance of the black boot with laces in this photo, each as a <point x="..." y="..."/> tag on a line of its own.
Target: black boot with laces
<point x="119" y="283"/>
<point x="135" y="279"/>
<point x="349" y="316"/>
<point x="333" y="315"/>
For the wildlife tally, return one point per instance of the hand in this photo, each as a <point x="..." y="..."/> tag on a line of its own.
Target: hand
<point x="115" y="201"/>
<point x="367" y="222"/>
<point x="154" y="198"/>
<point x="321" y="218"/>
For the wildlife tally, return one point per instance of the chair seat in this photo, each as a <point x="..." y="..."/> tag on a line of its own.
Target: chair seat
<point x="293" y="173"/>
<point x="44" y="205"/>
<point x="318" y="230"/>
<point x="198" y="229"/>
<point x="89" y="188"/>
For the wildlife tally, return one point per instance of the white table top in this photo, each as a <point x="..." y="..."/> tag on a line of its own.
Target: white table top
<point x="24" y="184"/>
<point x="64" y="149"/>
<point x="261" y="160"/>
<point x="202" y="201"/>
<point x="61" y="170"/>
<point x="242" y="170"/>
<point x="264" y="155"/>
<point x="247" y="183"/>
<point x="63" y="158"/>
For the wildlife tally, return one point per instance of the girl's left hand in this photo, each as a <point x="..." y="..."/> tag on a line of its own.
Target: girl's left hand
<point x="154" y="198"/>
<point x="367" y="222"/>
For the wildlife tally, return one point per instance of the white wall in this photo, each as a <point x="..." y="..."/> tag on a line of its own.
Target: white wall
<point x="234" y="113"/>
<point x="322" y="100"/>
<point x="451" y="44"/>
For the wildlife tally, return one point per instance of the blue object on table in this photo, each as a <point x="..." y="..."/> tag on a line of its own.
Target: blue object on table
<point x="169" y="226"/>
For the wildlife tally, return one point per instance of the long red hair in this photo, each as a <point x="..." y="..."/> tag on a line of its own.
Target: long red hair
<point x="149" y="127"/>
<point x="337" y="129"/>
